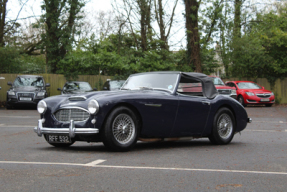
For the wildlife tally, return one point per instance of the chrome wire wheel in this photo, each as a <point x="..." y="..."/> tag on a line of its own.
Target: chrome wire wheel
<point x="123" y="128"/>
<point x="224" y="126"/>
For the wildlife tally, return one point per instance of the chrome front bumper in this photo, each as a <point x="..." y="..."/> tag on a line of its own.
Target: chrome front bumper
<point x="72" y="131"/>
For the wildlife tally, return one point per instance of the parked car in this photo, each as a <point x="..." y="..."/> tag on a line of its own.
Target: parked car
<point x="76" y="87"/>
<point x="111" y="85"/>
<point x="249" y="92"/>
<point x="27" y="90"/>
<point x="150" y="105"/>
<point x="223" y="89"/>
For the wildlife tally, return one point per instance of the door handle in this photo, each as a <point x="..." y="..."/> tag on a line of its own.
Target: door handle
<point x="206" y="102"/>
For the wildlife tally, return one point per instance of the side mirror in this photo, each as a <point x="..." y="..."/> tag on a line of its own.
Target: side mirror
<point x="95" y="89"/>
<point x="0" y="88"/>
<point x="59" y="89"/>
<point x="105" y="88"/>
<point x="9" y="83"/>
<point x="47" y="84"/>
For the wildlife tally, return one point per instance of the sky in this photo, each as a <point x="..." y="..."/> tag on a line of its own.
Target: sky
<point x="32" y="8"/>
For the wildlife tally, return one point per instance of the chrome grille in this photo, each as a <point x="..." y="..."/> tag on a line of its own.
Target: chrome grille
<point x="65" y="115"/>
<point x="263" y="95"/>
<point x="224" y="91"/>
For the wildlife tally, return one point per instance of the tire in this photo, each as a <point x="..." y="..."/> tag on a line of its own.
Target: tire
<point x="241" y="100"/>
<point x="60" y="145"/>
<point x="223" y="127"/>
<point x="268" y="105"/>
<point x="120" y="131"/>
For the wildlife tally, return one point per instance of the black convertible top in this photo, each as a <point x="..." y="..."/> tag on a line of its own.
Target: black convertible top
<point x="208" y="87"/>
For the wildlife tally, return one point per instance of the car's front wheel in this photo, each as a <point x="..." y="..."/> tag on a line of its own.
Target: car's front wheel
<point x="60" y="145"/>
<point x="121" y="129"/>
<point x="223" y="127"/>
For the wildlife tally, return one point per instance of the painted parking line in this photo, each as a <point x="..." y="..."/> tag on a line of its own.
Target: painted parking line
<point x="4" y="125"/>
<point x="281" y="122"/>
<point x="96" y="163"/>
<point x="22" y="117"/>
<point x="270" y="131"/>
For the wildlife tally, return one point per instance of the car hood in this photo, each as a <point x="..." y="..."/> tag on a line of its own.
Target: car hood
<point x="26" y="89"/>
<point x="257" y="90"/>
<point x="223" y="87"/>
<point x="103" y="98"/>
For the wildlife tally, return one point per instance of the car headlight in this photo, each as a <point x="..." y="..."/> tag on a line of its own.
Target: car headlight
<point x="93" y="107"/>
<point x="41" y="94"/>
<point x="233" y="92"/>
<point x="272" y="93"/>
<point x="11" y="93"/>
<point x="249" y="93"/>
<point x="42" y="107"/>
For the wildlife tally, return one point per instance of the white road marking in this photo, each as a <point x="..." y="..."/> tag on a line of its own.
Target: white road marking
<point x="93" y="163"/>
<point x="144" y="168"/>
<point x="268" y="121"/>
<point x="3" y="125"/>
<point x="270" y="131"/>
<point x="11" y="116"/>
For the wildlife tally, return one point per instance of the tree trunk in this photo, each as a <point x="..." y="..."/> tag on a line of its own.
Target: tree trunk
<point x="3" y="4"/>
<point x="193" y="37"/>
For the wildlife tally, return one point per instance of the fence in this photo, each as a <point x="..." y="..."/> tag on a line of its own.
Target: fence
<point x="57" y="81"/>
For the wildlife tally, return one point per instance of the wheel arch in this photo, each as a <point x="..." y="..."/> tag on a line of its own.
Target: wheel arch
<point x="128" y="105"/>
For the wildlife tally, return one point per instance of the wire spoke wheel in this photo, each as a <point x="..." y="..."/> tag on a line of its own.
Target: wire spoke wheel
<point x="224" y="126"/>
<point x="123" y="128"/>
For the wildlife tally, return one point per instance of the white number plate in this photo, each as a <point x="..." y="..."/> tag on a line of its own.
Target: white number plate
<point x="25" y="99"/>
<point x="264" y="100"/>
<point x="59" y="139"/>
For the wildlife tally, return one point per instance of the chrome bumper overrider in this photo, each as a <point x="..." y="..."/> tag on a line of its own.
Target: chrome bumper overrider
<point x="72" y="131"/>
<point x="249" y="120"/>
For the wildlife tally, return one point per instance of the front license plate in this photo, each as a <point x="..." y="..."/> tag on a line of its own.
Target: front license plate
<point x="264" y="100"/>
<point x="59" y="139"/>
<point x="25" y="99"/>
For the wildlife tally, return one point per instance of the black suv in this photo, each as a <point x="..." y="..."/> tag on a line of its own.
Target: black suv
<point x="26" y="90"/>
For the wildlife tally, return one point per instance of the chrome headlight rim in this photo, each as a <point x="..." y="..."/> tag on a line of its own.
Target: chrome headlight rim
<point x="93" y="107"/>
<point x="42" y="107"/>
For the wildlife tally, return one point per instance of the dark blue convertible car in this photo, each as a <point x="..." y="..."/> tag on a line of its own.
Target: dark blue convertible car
<point x="149" y="106"/>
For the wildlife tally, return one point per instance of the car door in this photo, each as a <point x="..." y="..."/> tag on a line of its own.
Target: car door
<point x="193" y="110"/>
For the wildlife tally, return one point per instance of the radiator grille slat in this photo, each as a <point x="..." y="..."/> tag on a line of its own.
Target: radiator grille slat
<point x="65" y="115"/>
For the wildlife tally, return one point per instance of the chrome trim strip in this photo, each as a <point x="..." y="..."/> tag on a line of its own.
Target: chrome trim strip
<point x="153" y="105"/>
<point x="72" y="131"/>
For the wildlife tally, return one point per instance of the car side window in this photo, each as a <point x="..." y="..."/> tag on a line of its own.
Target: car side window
<point x="190" y="87"/>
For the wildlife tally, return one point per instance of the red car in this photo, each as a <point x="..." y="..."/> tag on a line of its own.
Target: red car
<point x="252" y="93"/>
<point x="223" y="89"/>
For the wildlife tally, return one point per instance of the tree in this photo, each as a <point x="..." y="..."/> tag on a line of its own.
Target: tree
<point x="3" y="4"/>
<point x="60" y="18"/>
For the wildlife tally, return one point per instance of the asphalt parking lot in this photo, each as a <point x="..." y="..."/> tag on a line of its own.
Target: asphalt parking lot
<point x="256" y="160"/>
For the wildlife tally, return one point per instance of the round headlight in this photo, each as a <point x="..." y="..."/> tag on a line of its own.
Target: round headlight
<point x="93" y="106"/>
<point x="42" y="107"/>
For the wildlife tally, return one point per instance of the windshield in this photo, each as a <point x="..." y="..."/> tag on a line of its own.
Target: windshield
<point x="166" y="81"/>
<point x="116" y="84"/>
<point x="217" y="81"/>
<point x="248" y="85"/>
<point x="29" y="81"/>
<point x="72" y="86"/>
